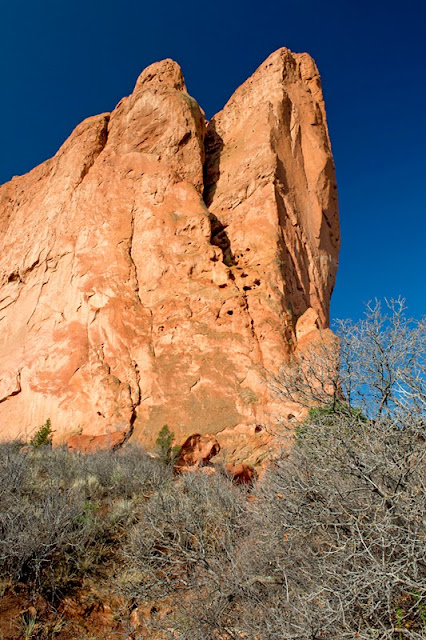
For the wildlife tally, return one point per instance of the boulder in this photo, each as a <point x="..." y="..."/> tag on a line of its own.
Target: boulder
<point x="197" y="451"/>
<point x="90" y="444"/>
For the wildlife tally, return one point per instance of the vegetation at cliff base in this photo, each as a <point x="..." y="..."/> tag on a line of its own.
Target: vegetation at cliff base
<point x="328" y="544"/>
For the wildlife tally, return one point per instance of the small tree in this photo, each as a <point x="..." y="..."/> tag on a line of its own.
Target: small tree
<point x="43" y="436"/>
<point x="381" y="366"/>
<point x="164" y="442"/>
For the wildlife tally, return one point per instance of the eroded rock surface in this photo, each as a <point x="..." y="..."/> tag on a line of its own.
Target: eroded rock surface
<point x="155" y="271"/>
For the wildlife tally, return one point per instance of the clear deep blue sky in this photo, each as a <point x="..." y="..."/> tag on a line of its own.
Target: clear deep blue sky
<point x="63" y="61"/>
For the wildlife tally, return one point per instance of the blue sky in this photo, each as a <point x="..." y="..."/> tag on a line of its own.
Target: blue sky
<point x="61" y="62"/>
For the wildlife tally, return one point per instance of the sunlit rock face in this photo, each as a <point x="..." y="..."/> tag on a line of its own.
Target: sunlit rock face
<point x="159" y="268"/>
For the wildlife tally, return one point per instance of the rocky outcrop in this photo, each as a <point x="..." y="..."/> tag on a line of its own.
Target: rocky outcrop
<point x="156" y="270"/>
<point x="90" y="444"/>
<point x="197" y="451"/>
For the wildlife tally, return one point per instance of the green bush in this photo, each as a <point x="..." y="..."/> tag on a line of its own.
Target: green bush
<point x="43" y="436"/>
<point x="339" y="408"/>
<point x="164" y="442"/>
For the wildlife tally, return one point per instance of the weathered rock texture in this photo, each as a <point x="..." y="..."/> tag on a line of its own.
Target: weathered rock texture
<point x="128" y="301"/>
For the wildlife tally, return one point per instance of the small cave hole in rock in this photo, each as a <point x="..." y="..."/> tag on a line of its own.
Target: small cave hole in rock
<point x="244" y="275"/>
<point x="13" y="277"/>
<point x="246" y="288"/>
<point x="258" y="428"/>
<point x="230" y="312"/>
<point x="222" y="286"/>
<point x="257" y="282"/>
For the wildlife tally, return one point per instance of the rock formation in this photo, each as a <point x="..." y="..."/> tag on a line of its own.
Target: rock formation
<point x="197" y="451"/>
<point x="158" y="268"/>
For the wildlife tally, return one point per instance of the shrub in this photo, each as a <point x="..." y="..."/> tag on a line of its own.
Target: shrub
<point x="43" y="436"/>
<point x="59" y="510"/>
<point x="164" y="442"/>
<point x="184" y="535"/>
<point x="338" y="527"/>
<point x="39" y="524"/>
<point x="338" y="524"/>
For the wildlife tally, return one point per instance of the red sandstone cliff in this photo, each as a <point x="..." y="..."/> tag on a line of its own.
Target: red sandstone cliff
<point x="156" y="270"/>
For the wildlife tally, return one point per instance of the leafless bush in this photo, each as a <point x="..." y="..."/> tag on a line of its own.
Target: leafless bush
<point x="137" y="473"/>
<point x="59" y="509"/>
<point x="39" y="519"/>
<point x="184" y="535"/>
<point x="340" y="526"/>
<point x="338" y="535"/>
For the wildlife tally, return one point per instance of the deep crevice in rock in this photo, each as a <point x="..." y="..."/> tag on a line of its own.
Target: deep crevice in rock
<point x="130" y="252"/>
<point x="135" y="405"/>
<point x="213" y="146"/>
<point x="219" y="238"/>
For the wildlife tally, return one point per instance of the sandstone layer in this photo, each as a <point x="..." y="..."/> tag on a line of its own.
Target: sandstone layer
<point x="159" y="268"/>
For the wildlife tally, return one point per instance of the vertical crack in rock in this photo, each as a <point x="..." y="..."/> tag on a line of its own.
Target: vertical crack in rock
<point x="213" y="147"/>
<point x="130" y="250"/>
<point x="252" y="326"/>
<point x="137" y="401"/>
<point x="135" y="404"/>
